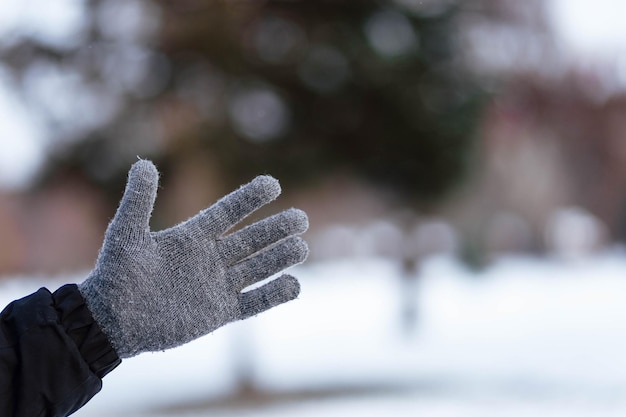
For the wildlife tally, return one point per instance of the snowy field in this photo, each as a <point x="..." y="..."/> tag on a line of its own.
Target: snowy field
<point x="526" y="337"/>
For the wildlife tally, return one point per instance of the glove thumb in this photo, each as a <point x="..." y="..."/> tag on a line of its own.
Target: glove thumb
<point x="136" y="205"/>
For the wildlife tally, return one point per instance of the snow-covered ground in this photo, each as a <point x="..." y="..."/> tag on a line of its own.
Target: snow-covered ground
<point x="526" y="337"/>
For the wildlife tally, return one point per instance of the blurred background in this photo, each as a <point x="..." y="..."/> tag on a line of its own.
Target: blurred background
<point x="463" y="164"/>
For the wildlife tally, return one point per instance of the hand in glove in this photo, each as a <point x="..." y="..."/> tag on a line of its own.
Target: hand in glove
<point x="152" y="291"/>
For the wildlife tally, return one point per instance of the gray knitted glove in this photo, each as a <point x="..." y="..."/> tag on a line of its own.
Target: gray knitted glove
<point x="152" y="291"/>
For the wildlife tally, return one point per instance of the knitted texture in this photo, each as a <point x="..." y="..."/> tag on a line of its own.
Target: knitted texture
<point x="152" y="291"/>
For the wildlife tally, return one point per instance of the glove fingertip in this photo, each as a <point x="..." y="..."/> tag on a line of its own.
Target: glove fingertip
<point x="279" y="291"/>
<point x="145" y="170"/>
<point x="291" y="286"/>
<point x="269" y="185"/>
<point x="300" y="219"/>
<point x="300" y="250"/>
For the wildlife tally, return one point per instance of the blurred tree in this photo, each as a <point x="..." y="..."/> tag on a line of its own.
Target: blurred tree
<point x="311" y="88"/>
<point x="374" y="88"/>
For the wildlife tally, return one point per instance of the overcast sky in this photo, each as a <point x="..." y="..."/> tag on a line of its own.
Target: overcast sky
<point x="588" y="28"/>
<point x="592" y="27"/>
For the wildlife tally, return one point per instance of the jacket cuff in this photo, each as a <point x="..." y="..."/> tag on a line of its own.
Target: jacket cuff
<point x="81" y="327"/>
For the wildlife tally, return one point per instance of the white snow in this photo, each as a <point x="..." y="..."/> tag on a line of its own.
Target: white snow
<point x="526" y="337"/>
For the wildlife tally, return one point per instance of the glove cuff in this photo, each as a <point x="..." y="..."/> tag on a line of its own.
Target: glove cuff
<point x="82" y="328"/>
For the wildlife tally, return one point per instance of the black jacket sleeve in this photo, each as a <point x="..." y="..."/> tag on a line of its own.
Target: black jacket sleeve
<point x="53" y="355"/>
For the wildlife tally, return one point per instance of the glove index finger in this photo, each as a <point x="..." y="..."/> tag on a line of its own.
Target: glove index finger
<point x="239" y="204"/>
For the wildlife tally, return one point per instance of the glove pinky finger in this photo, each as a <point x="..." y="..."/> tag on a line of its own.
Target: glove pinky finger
<point x="282" y="289"/>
